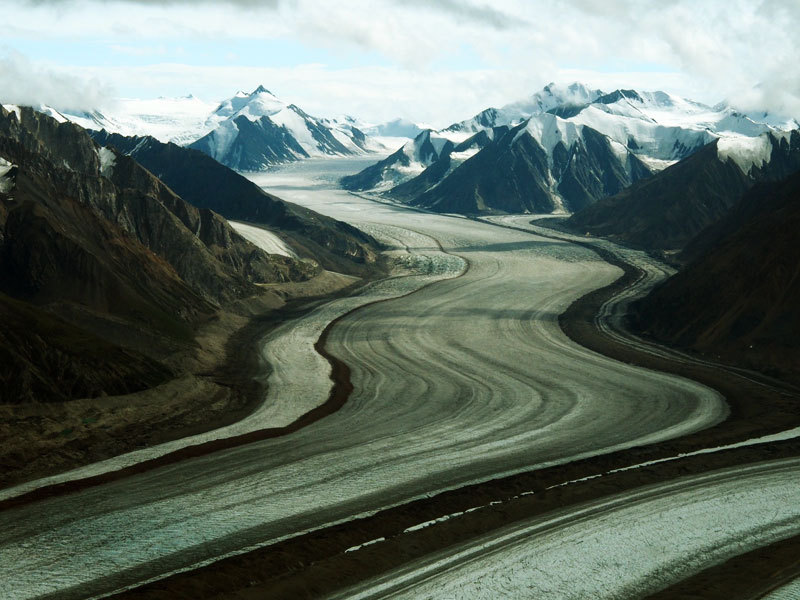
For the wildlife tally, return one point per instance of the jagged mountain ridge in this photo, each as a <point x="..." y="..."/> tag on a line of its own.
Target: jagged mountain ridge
<point x="542" y="165"/>
<point x="180" y="120"/>
<point x="521" y="172"/>
<point x="449" y="160"/>
<point x="657" y="125"/>
<point x="405" y="163"/>
<point x="551" y="97"/>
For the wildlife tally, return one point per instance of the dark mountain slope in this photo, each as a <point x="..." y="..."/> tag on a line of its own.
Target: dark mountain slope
<point x="257" y="144"/>
<point x="739" y="298"/>
<point x="45" y="358"/>
<point x="666" y="211"/>
<point x="504" y="176"/>
<point x="205" y="183"/>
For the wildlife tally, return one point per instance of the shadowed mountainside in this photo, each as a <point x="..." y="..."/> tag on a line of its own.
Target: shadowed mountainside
<point x="739" y="297"/>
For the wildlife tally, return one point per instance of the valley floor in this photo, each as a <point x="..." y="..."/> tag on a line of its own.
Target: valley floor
<point x="472" y="418"/>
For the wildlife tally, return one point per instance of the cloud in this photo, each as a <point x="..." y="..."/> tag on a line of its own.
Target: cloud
<point x="742" y="50"/>
<point x="27" y="83"/>
<point x="464" y="11"/>
<point x="270" y="4"/>
<point x="373" y="93"/>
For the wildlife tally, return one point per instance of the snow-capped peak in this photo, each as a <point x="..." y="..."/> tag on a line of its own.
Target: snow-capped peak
<point x="52" y="112"/>
<point x="259" y="103"/>
<point x="13" y="108"/>
<point x="427" y="147"/>
<point x="286" y="132"/>
<point x="774" y="120"/>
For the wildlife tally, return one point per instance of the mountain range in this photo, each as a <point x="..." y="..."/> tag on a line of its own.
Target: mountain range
<point x="644" y="168"/>
<point x="565" y="148"/>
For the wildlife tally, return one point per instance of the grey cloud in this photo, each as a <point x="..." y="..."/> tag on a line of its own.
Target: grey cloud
<point x="465" y="11"/>
<point x="270" y="4"/>
<point x="27" y="83"/>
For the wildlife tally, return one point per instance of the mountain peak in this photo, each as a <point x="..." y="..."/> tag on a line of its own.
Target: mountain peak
<point x="573" y="93"/>
<point x="618" y="95"/>
<point x="261" y="90"/>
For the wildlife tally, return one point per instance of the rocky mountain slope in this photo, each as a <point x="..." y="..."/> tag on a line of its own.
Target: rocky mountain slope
<point x="669" y="209"/>
<point x="95" y="249"/>
<point x="450" y="159"/>
<point x="739" y="297"/>
<point x="205" y="183"/>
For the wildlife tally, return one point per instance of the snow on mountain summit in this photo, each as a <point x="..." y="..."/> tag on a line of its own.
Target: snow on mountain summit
<point x="563" y="148"/>
<point x="656" y="114"/>
<point x="553" y="96"/>
<point x="259" y="103"/>
<point x="751" y="152"/>
<point x="250" y="132"/>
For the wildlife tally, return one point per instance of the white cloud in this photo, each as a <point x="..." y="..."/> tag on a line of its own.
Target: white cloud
<point x="744" y="50"/>
<point x="372" y="93"/>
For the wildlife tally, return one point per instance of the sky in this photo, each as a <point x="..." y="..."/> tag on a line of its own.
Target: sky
<point x="434" y="62"/>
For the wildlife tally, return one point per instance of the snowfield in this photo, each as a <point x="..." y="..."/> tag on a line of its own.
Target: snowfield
<point x="178" y="120"/>
<point x="266" y="240"/>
